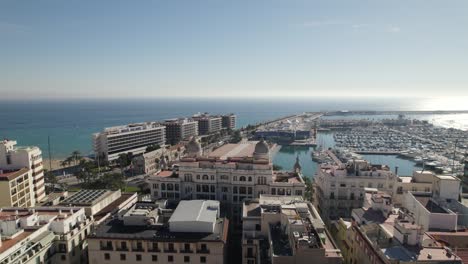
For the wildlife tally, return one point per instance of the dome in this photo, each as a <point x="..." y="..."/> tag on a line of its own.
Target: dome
<point x="262" y="151"/>
<point x="193" y="148"/>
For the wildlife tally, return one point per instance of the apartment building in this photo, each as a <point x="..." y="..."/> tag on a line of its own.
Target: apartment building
<point x="13" y="157"/>
<point x="285" y="229"/>
<point x="147" y="233"/>
<point x="229" y="174"/>
<point x="179" y="129"/>
<point x="341" y="187"/>
<point x="16" y="188"/>
<point x="134" y="138"/>
<point x="208" y="124"/>
<point x="156" y="160"/>
<point x="43" y="235"/>
<point x="229" y="121"/>
<point x="381" y="233"/>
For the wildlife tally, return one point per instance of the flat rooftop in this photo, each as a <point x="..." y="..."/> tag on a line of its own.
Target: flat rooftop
<point x="115" y="229"/>
<point x="430" y="205"/>
<point x="12" y="174"/>
<point x="196" y="211"/>
<point x="241" y="150"/>
<point x="86" y="197"/>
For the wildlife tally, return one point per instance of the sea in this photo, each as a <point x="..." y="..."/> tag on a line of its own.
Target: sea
<point x="69" y="124"/>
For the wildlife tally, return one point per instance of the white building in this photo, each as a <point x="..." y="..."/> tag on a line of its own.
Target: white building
<point x="230" y="174"/>
<point x="14" y="157"/>
<point x="43" y="235"/>
<point x="148" y="233"/>
<point x="134" y="138"/>
<point x="285" y="229"/>
<point x="340" y="187"/>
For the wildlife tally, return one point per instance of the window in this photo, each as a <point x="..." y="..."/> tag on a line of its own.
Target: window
<point x="170" y="246"/>
<point x="234" y="178"/>
<point x="203" y="247"/>
<point x="212" y="177"/>
<point x="187" y="247"/>
<point x="212" y="188"/>
<point x="123" y="257"/>
<point x="202" y="259"/>
<point x="186" y="259"/>
<point x="273" y="191"/>
<point x="123" y="245"/>
<point x="234" y="189"/>
<point x="250" y="179"/>
<point x="427" y="189"/>
<point x="176" y="187"/>
<point x="170" y="258"/>
<point x="154" y="258"/>
<point x="332" y="195"/>
<point x="106" y="256"/>
<point x="242" y="178"/>
<point x="198" y="176"/>
<point x="205" y="177"/>
<point x="138" y="257"/>
<point x="163" y="186"/>
<point x="299" y="192"/>
<point x="369" y="185"/>
<point x="249" y="190"/>
<point x="198" y="188"/>
<point x="170" y="187"/>
<point x="380" y="186"/>
<point x="342" y="184"/>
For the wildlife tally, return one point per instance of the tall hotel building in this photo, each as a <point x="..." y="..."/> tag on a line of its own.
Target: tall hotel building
<point x="229" y="121"/>
<point x="179" y="129"/>
<point x="21" y="174"/>
<point x="134" y="138"/>
<point x="208" y="124"/>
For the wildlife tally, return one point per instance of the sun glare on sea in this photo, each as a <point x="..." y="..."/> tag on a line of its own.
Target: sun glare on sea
<point x="442" y="103"/>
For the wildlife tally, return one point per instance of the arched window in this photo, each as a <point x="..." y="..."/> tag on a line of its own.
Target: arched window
<point x="250" y="179"/>
<point x="234" y="178"/>
<point x="242" y="178"/>
<point x="163" y="186"/>
<point x="205" y="177"/>
<point x="170" y="187"/>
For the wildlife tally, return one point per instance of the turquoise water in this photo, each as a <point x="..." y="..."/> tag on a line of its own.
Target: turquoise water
<point x="286" y="157"/>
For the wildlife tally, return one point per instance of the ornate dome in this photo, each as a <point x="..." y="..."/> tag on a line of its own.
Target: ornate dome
<point x="262" y="151"/>
<point x="193" y="148"/>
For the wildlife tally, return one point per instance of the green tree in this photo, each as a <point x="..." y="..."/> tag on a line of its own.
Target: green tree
<point x="76" y="156"/>
<point x="309" y="190"/>
<point x="277" y="167"/>
<point x="152" y="147"/>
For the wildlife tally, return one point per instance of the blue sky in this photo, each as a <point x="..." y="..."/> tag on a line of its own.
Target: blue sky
<point x="83" y="49"/>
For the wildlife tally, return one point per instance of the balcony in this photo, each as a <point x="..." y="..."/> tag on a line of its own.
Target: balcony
<point x="203" y="251"/>
<point x="186" y="251"/>
<point x="138" y="249"/>
<point x="107" y="248"/>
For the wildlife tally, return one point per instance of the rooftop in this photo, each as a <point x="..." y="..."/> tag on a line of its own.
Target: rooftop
<point x="196" y="211"/>
<point x="12" y="174"/>
<point x="429" y="204"/>
<point x="86" y="197"/>
<point x="241" y="150"/>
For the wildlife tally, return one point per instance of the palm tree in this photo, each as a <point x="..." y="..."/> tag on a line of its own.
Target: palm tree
<point x="76" y="155"/>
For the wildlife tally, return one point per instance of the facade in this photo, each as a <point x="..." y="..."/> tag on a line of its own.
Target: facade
<point x="43" y="235"/>
<point x="230" y="174"/>
<point x="229" y="121"/>
<point x="285" y="229"/>
<point x="16" y="188"/>
<point x="341" y="187"/>
<point x="134" y="138"/>
<point x="154" y="161"/>
<point x="147" y="233"/>
<point x="420" y="181"/>
<point x="180" y="129"/>
<point x="208" y="124"/>
<point x="384" y="234"/>
<point x="14" y="157"/>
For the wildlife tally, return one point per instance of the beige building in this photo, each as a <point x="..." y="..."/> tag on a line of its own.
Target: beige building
<point x="156" y="160"/>
<point x="16" y="188"/>
<point x="341" y="187"/>
<point x="230" y="174"/>
<point x="14" y="157"/>
<point x="43" y="235"/>
<point x="146" y="233"/>
<point x="208" y="124"/>
<point x="179" y="129"/>
<point x="286" y="230"/>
